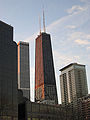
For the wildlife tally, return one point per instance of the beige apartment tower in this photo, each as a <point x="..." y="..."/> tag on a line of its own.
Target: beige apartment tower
<point x="73" y="83"/>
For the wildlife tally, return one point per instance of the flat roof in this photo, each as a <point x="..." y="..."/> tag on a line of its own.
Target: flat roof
<point x="42" y="33"/>
<point x="22" y="43"/>
<point x="70" y="65"/>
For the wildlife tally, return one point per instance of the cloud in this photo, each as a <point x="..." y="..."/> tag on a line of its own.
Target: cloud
<point x="86" y="1"/>
<point x="71" y="26"/>
<point x="64" y="59"/>
<point x="79" y="35"/>
<point x="82" y="42"/>
<point x="80" y="38"/>
<point x="31" y="38"/>
<point x="88" y="48"/>
<point x="76" y="9"/>
<point x="88" y="36"/>
<point x="70" y="21"/>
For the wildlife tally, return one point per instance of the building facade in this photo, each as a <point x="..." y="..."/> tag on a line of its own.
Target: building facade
<point x="45" y="83"/>
<point x="73" y="83"/>
<point x="23" y="68"/>
<point x="8" y="74"/>
<point x="84" y="108"/>
<point x="35" y="111"/>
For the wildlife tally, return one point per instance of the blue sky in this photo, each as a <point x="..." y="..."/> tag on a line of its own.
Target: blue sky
<point x="67" y="22"/>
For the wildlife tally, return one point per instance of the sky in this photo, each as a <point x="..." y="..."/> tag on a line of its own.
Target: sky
<point x="68" y="23"/>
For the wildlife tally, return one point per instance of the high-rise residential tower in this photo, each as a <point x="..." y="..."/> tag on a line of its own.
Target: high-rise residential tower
<point x="8" y="73"/>
<point x="73" y="83"/>
<point x="45" y="83"/>
<point x="24" y="69"/>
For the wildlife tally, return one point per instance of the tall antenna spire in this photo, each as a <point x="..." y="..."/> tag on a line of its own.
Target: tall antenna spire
<point x="40" y="24"/>
<point x="44" y="21"/>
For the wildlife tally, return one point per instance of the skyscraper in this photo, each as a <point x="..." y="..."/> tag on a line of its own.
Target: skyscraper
<point x="8" y="73"/>
<point x="45" y="83"/>
<point x="73" y="83"/>
<point x="24" y="69"/>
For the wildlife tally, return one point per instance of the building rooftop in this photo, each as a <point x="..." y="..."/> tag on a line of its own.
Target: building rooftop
<point x="42" y="33"/>
<point x="70" y="65"/>
<point x="5" y="23"/>
<point x="22" y="43"/>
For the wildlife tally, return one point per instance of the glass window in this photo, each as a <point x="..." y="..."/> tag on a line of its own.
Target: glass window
<point x="9" y="118"/>
<point x="4" y="117"/>
<point x="29" y="118"/>
<point x="14" y="118"/>
<point x="35" y="119"/>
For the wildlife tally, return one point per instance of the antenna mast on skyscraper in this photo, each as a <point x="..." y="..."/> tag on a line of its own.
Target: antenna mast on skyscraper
<point x="40" y="24"/>
<point x="44" y="21"/>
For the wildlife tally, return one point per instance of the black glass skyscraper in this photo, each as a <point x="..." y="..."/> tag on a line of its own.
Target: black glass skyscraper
<point x="45" y="83"/>
<point x="8" y="73"/>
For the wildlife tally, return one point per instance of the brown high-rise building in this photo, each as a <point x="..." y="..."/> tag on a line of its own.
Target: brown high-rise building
<point x="45" y="83"/>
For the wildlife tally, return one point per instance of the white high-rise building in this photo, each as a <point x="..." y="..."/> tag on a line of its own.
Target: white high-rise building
<point x="73" y="83"/>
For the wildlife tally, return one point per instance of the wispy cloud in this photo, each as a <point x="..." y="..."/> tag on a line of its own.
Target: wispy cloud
<point x="80" y="38"/>
<point x="77" y="35"/>
<point x="75" y="9"/>
<point x="88" y="48"/>
<point x="31" y="38"/>
<point x="64" y="59"/>
<point x="71" y="21"/>
<point x="71" y="26"/>
<point x="82" y="42"/>
<point x="86" y="1"/>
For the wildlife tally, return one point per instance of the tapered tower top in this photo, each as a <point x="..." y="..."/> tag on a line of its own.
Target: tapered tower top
<point x="44" y="29"/>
